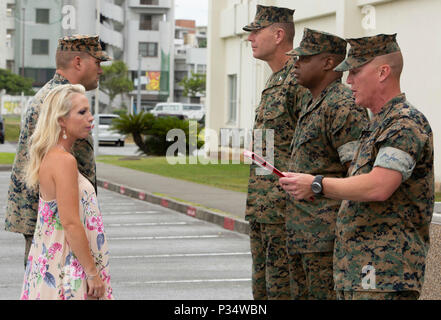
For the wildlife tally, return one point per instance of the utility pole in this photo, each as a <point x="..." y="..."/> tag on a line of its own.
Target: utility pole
<point x="171" y="69"/>
<point x="97" y="90"/>
<point x="23" y="40"/>
<point x="138" y="98"/>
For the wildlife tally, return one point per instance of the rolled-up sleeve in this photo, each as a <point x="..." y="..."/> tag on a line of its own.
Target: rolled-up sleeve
<point x="347" y="151"/>
<point x="395" y="159"/>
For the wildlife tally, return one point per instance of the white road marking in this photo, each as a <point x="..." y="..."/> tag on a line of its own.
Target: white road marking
<point x="126" y="213"/>
<point x="185" y="281"/>
<point x="166" y="238"/>
<point x="180" y="255"/>
<point x="152" y="224"/>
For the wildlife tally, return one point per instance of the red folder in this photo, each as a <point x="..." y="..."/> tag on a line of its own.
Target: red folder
<point x="262" y="163"/>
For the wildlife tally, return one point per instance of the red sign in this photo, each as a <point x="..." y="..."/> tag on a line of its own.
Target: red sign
<point x="229" y="224"/>
<point x="191" y="211"/>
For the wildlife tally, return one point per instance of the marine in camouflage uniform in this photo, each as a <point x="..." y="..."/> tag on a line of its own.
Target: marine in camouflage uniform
<point x="266" y="201"/>
<point x="324" y="143"/>
<point x="390" y="238"/>
<point x="22" y="203"/>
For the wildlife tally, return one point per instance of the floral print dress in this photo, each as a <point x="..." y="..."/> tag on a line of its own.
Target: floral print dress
<point x="53" y="272"/>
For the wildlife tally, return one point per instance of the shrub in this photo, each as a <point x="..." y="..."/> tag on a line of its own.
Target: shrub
<point x="150" y="133"/>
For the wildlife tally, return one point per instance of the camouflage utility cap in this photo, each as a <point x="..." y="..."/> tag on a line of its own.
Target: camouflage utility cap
<point x="266" y="16"/>
<point x="82" y="43"/>
<point x="364" y="50"/>
<point x="315" y="42"/>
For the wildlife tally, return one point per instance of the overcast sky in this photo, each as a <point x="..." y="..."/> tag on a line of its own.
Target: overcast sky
<point x="192" y="10"/>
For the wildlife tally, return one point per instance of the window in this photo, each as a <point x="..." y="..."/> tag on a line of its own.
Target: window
<point x="40" y="76"/>
<point x="149" y="2"/>
<point x="232" y="98"/>
<point x="145" y="22"/>
<point x="150" y="21"/>
<point x="171" y="108"/>
<point x="148" y="49"/>
<point x="10" y="65"/>
<point x="180" y="75"/>
<point x="201" y="68"/>
<point x="10" y="10"/>
<point x="106" y="120"/>
<point x="42" y="16"/>
<point x="9" y="36"/>
<point x="188" y="107"/>
<point x="40" y="46"/>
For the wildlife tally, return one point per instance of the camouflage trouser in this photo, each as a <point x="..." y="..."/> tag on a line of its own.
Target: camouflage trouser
<point x="312" y="276"/>
<point x="28" y="242"/>
<point x="366" y="295"/>
<point x="270" y="274"/>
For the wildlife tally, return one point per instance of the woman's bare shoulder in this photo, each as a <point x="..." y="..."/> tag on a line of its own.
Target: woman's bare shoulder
<point x="59" y="160"/>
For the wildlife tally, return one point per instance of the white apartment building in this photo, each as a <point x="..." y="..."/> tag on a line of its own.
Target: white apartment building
<point x="190" y="56"/>
<point x="235" y="79"/>
<point x="138" y="32"/>
<point x="33" y="30"/>
<point x="149" y="33"/>
<point x="7" y="31"/>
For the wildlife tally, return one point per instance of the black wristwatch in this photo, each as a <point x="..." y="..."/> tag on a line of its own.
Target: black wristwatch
<point x="317" y="186"/>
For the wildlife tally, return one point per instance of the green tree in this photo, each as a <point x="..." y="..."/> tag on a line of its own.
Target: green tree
<point x="194" y="85"/>
<point x="15" y="84"/>
<point x="115" y="80"/>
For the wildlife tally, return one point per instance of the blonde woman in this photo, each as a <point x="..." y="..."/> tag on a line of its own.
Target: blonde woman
<point x="68" y="257"/>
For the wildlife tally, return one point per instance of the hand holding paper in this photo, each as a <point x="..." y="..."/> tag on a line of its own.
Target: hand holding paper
<point x="298" y="185"/>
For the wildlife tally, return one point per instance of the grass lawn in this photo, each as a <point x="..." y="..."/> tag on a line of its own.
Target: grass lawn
<point x="230" y="177"/>
<point x="12" y="128"/>
<point x="7" y="158"/>
<point x="438" y="197"/>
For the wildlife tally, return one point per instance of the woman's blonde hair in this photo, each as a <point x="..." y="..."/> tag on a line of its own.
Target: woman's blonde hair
<point x="56" y="105"/>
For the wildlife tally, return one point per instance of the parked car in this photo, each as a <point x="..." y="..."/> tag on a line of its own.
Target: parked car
<point x="105" y="134"/>
<point x="2" y="130"/>
<point x="190" y="111"/>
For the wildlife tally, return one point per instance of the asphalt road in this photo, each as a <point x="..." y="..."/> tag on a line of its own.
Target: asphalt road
<point x="155" y="253"/>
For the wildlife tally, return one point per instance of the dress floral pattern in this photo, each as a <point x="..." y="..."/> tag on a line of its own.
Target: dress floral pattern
<point x="53" y="272"/>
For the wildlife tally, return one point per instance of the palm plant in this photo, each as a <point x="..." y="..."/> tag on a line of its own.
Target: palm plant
<point x="150" y="133"/>
<point x="136" y="125"/>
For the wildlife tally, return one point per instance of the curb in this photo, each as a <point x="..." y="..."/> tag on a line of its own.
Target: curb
<point x="232" y="224"/>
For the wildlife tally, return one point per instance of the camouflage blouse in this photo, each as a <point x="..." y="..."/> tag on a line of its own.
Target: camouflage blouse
<point x="389" y="238"/>
<point x="22" y="203"/>
<point x="326" y="138"/>
<point x="276" y="116"/>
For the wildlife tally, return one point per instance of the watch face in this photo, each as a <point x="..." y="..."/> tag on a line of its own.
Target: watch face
<point x="316" y="187"/>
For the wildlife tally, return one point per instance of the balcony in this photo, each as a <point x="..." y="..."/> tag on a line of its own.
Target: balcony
<point x="113" y="12"/>
<point x="111" y="37"/>
<point x="161" y="4"/>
